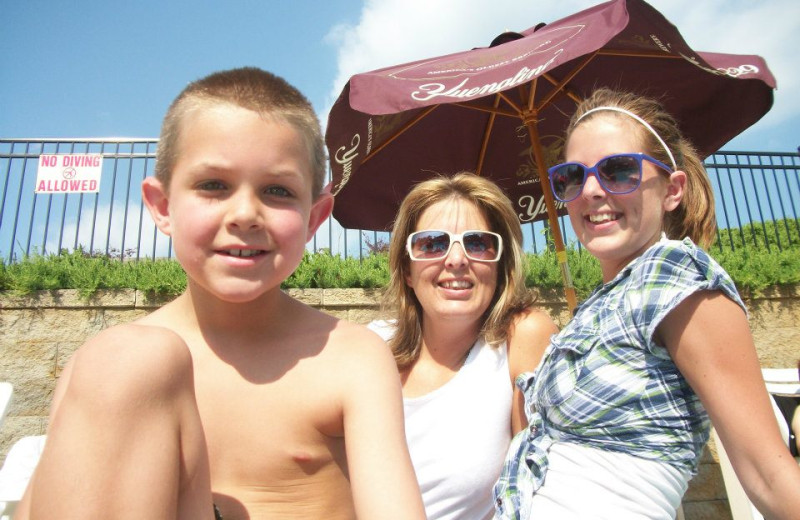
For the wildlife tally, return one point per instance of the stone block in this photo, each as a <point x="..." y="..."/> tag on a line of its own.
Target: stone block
<point x="364" y="316"/>
<point x="710" y="455"/>
<point x="30" y="366"/>
<point x="548" y="296"/>
<point x="312" y="297"/>
<point x="341" y="314"/>
<point x="15" y="428"/>
<point x="64" y="352"/>
<point x="791" y="292"/>
<point x="707" y="510"/>
<point x="777" y="347"/>
<point x="112" y="317"/>
<point x="51" y="324"/>
<point x="68" y="298"/>
<point x="767" y="314"/>
<point x="151" y="300"/>
<point x="706" y="485"/>
<point x="351" y="297"/>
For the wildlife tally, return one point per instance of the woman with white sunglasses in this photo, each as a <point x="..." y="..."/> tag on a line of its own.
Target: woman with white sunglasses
<point x="621" y="406"/>
<point x="464" y="330"/>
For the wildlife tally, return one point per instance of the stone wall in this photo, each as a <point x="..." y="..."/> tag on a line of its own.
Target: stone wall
<point x="40" y="332"/>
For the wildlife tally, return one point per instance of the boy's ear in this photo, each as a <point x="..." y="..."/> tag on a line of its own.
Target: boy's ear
<point x="155" y="198"/>
<point x="675" y="189"/>
<point x="321" y="209"/>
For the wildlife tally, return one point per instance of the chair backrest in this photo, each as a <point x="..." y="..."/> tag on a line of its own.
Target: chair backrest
<point x="779" y="381"/>
<point x="782" y="382"/>
<point x="17" y="471"/>
<point x="6" y="389"/>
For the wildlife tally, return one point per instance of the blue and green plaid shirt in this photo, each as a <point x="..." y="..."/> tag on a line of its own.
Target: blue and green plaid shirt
<point x="604" y="382"/>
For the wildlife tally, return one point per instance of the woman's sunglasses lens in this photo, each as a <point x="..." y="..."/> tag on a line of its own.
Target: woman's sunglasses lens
<point x="620" y="173"/>
<point x="430" y="244"/>
<point x="482" y="246"/>
<point x="567" y="181"/>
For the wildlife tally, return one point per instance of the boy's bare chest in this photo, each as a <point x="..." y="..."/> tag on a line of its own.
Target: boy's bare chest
<point x="270" y="427"/>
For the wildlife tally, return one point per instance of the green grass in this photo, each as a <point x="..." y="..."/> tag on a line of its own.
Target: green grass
<point x="753" y="268"/>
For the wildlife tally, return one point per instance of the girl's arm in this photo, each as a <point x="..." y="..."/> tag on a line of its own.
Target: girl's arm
<point x="709" y="339"/>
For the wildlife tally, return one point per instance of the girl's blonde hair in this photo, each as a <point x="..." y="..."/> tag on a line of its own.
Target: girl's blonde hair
<point x="510" y="296"/>
<point x="694" y="217"/>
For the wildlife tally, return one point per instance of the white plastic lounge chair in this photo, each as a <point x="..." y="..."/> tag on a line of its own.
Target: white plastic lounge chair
<point x="17" y="471"/>
<point x="6" y="389"/>
<point x="779" y="381"/>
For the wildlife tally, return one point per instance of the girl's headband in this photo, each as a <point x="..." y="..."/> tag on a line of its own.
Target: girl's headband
<point x="639" y="119"/>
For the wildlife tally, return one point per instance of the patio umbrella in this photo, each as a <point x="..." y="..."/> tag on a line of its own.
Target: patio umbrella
<point x="501" y="111"/>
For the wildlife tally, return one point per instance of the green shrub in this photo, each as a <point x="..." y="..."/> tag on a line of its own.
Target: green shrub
<point x="758" y="269"/>
<point x="752" y="268"/>
<point x="91" y="272"/>
<point x="324" y="270"/>
<point x="766" y="235"/>
<point x="5" y="278"/>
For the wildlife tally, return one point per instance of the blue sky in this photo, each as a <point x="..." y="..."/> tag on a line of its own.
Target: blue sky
<point x="99" y="68"/>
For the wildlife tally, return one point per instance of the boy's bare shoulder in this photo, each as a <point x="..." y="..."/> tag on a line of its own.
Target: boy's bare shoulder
<point x="342" y="337"/>
<point x="133" y="352"/>
<point x="135" y="335"/>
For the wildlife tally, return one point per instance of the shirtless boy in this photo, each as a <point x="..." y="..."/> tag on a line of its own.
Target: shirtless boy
<point x="275" y="410"/>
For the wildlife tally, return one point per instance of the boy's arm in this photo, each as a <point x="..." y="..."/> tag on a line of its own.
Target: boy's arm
<point x="381" y="475"/>
<point x="123" y="417"/>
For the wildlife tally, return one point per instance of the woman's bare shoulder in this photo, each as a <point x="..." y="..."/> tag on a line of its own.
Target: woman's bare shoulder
<point x="528" y="338"/>
<point x="533" y="322"/>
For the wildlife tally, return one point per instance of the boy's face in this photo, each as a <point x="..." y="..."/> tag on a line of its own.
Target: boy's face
<point x="239" y="207"/>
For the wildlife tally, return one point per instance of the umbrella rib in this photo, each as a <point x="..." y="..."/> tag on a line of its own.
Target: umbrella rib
<point x="492" y="110"/>
<point x="510" y="102"/>
<point x="565" y="89"/>
<point x="399" y="132"/>
<point x="531" y="93"/>
<point x="638" y="54"/>
<point x="486" y="135"/>
<point x="561" y="84"/>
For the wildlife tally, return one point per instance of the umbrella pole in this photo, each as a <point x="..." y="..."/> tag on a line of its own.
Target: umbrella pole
<point x="552" y="215"/>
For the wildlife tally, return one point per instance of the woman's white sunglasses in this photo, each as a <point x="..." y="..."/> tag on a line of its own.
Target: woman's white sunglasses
<point x="435" y="244"/>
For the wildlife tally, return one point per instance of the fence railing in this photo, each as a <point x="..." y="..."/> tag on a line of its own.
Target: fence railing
<point x="757" y="197"/>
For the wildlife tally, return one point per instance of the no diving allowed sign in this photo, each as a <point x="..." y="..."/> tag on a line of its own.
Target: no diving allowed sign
<point x="69" y="173"/>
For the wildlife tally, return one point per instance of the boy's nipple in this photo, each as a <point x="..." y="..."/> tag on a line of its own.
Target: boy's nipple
<point x="307" y="462"/>
<point x="301" y="456"/>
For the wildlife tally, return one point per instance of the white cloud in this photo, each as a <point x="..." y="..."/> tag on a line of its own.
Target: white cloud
<point x="769" y="28"/>
<point x="94" y="230"/>
<point x="390" y="32"/>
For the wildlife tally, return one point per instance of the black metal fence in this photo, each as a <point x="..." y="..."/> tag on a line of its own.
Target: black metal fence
<point x="757" y="197"/>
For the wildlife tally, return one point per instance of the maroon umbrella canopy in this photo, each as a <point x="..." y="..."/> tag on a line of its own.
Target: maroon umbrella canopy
<point x="501" y="111"/>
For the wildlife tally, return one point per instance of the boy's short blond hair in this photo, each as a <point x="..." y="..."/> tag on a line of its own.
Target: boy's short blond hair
<point x="253" y="89"/>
